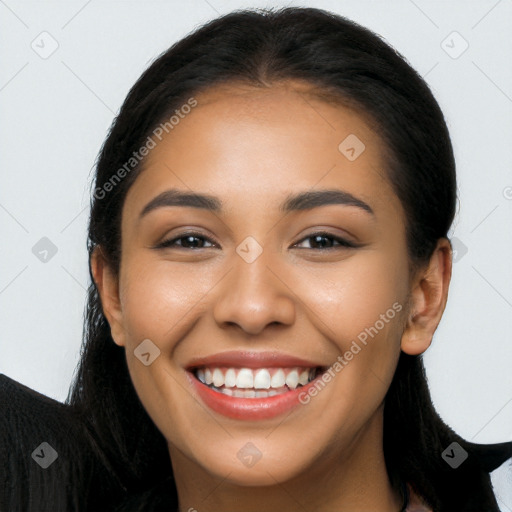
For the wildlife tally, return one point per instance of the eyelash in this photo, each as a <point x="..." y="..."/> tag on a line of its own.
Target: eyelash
<point x="343" y="244"/>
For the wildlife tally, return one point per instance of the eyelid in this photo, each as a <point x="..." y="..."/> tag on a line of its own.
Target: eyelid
<point x="342" y="242"/>
<point x="166" y="243"/>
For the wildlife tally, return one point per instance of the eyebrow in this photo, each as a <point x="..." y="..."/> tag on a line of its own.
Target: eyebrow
<point x="293" y="202"/>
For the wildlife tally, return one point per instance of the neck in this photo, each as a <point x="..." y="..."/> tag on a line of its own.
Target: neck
<point x="355" y="480"/>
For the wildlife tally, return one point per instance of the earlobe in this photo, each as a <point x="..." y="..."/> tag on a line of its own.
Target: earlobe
<point x="108" y="288"/>
<point x="428" y="300"/>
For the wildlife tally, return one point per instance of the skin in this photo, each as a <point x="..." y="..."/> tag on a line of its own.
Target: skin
<point x="251" y="148"/>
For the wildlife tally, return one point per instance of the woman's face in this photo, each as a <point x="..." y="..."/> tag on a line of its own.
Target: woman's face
<point x="253" y="288"/>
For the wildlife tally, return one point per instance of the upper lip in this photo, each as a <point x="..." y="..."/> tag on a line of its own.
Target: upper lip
<point x="251" y="359"/>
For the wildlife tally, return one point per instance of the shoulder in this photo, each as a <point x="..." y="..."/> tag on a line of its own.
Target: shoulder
<point x="27" y="414"/>
<point x="490" y="456"/>
<point x="29" y="418"/>
<point x="463" y="478"/>
<point x="16" y="398"/>
<point x="44" y="451"/>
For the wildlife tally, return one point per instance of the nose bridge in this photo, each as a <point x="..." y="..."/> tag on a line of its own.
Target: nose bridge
<point x="254" y="295"/>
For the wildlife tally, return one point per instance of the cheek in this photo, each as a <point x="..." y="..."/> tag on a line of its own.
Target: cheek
<point x="359" y="307"/>
<point x="351" y="295"/>
<point x="160" y="299"/>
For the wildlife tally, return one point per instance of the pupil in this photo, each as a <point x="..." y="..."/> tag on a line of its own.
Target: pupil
<point x="318" y="239"/>
<point x="191" y="237"/>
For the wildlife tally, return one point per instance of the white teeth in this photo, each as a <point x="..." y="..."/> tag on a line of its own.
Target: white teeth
<point x="304" y="377"/>
<point x="250" y="393"/>
<point x="292" y="379"/>
<point x="244" y="379"/>
<point x="230" y="378"/>
<point x="218" y="378"/>
<point x="247" y="383"/>
<point x="262" y="379"/>
<point x="278" y="379"/>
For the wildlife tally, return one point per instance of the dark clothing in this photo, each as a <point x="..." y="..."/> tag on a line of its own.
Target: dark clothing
<point x="46" y="457"/>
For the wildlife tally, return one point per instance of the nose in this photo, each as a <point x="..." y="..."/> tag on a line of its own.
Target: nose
<point x="253" y="296"/>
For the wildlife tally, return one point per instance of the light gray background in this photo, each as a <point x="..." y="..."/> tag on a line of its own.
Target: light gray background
<point x="55" y="113"/>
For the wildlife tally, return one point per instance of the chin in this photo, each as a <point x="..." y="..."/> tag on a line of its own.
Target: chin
<point x="240" y="469"/>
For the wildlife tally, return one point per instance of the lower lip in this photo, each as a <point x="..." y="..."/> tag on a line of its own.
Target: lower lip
<point x="248" y="408"/>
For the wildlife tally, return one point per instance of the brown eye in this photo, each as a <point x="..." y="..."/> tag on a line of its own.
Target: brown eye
<point x="187" y="241"/>
<point x="319" y="242"/>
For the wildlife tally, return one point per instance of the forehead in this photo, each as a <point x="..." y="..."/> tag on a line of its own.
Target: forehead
<point x="256" y="144"/>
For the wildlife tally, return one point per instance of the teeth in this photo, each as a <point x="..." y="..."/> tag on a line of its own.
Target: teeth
<point x="292" y="379"/>
<point x="248" y="383"/>
<point x="250" y="393"/>
<point x="244" y="379"/>
<point x="230" y="378"/>
<point x="278" y="379"/>
<point x="304" y="377"/>
<point x="262" y="379"/>
<point x="218" y="378"/>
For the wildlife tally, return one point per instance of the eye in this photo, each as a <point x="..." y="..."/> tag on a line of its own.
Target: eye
<point x="319" y="242"/>
<point x="187" y="241"/>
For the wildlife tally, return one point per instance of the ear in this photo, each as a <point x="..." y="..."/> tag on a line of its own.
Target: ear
<point x="428" y="299"/>
<point x="108" y="287"/>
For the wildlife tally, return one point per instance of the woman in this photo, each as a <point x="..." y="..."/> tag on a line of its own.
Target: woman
<point x="269" y="258"/>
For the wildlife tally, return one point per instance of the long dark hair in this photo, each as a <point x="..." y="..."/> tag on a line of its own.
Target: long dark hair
<point x="343" y="62"/>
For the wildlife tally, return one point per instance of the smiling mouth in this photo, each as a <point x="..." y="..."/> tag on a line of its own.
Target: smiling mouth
<point x="255" y="383"/>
